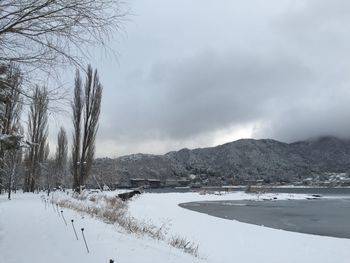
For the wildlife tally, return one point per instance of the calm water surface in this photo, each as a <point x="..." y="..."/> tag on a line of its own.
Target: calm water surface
<point x="326" y="216"/>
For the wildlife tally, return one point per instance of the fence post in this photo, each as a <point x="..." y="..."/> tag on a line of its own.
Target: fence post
<point x="63" y="218"/>
<point x="75" y="232"/>
<point x="82" y="232"/>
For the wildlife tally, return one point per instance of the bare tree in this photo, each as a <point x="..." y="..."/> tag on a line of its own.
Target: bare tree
<point x="60" y="166"/>
<point x="44" y="33"/>
<point x="37" y="135"/>
<point x="41" y="34"/>
<point x="77" y="107"/>
<point x="11" y="161"/>
<point x="86" y="111"/>
<point x="48" y="172"/>
<point x="11" y="108"/>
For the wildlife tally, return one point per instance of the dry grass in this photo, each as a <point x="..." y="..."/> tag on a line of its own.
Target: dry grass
<point x="110" y="209"/>
<point x="185" y="245"/>
<point x="114" y="211"/>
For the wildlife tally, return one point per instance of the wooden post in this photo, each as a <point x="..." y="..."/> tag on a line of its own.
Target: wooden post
<point x="82" y="232"/>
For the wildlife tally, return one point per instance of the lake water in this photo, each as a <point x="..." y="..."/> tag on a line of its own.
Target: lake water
<point x="341" y="191"/>
<point x="327" y="216"/>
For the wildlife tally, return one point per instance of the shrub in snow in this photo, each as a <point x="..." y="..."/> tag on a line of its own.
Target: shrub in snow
<point x="185" y="245"/>
<point x="114" y="211"/>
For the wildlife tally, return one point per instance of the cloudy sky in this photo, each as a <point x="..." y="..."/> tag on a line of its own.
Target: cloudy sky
<point x="197" y="73"/>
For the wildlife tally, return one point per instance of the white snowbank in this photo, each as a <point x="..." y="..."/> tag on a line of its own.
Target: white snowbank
<point x="228" y="241"/>
<point x="31" y="233"/>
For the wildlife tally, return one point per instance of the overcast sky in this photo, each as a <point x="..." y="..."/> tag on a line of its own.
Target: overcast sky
<point x="197" y="73"/>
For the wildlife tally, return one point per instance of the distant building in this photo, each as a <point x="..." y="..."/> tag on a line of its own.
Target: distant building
<point x="138" y="182"/>
<point x="171" y="183"/>
<point x="154" y="183"/>
<point x="177" y="183"/>
<point x="249" y="182"/>
<point x="345" y="182"/>
<point x="259" y="181"/>
<point x="326" y="184"/>
<point x="184" y="182"/>
<point x="238" y="181"/>
<point x="308" y="181"/>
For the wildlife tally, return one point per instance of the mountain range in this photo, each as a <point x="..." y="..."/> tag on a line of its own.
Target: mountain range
<point x="245" y="159"/>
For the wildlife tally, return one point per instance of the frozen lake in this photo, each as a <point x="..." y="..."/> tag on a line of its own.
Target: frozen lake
<point x="323" y="216"/>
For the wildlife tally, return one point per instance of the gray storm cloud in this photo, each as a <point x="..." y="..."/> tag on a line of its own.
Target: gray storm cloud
<point x="208" y="91"/>
<point x="285" y="71"/>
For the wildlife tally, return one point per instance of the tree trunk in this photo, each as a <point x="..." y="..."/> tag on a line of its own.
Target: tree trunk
<point x="10" y="180"/>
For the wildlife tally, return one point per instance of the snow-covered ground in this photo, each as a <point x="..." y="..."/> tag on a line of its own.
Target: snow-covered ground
<point x="29" y="232"/>
<point x="32" y="234"/>
<point x="223" y="240"/>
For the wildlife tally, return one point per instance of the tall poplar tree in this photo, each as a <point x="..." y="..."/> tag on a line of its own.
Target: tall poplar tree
<point x="37" y="136"/>
<point x="86" y="108"/>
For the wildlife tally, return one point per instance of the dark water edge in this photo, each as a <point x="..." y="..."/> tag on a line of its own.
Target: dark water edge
<point x="313" y="190"/>
<point x="323" y="216"/>
<point x="291" y="190"/>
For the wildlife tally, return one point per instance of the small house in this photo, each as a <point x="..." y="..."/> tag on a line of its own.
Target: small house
<point x="137" y="182"/>
<point x="154" y="183"/>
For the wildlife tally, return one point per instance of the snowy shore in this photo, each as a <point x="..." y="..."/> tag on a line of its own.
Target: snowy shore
<point x="29" y="232"/>
<point x="223" y="240"/>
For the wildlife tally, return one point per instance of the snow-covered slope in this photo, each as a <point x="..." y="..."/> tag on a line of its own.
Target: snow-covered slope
<point x="32" y="234"/>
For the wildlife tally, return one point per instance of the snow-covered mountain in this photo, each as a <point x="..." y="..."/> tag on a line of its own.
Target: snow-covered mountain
<point x="243" y="159"/>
